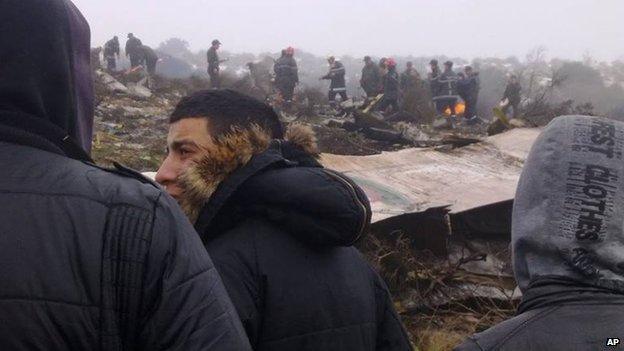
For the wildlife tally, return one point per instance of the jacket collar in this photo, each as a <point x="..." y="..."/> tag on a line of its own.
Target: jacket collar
<point x="549" y="291"/>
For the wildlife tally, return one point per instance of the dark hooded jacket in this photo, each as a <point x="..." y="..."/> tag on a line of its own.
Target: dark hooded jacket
<point x="567" y="242"/>
<point x="90" y="259"/>
<point x="280" y="230"/>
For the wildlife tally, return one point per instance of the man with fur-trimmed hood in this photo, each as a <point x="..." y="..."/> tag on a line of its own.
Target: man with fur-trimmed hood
<point x="279" y="227"/>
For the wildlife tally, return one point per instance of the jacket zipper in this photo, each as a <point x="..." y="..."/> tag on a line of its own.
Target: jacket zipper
<point x="342" y="179"/>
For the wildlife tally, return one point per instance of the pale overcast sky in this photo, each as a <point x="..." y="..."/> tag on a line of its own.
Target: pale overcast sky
<point x="467" y="28"/>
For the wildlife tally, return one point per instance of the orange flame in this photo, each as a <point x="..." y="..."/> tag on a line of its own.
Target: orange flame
<point x="460" y="108"/>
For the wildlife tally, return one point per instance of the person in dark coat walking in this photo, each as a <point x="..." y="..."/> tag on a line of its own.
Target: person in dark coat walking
<point x="567" y="242"/>
<point x="338" y="84"/>
<point x="111" y="53"/>
<point x="512" y="94"/>
<point x="371" y="78"/>
<point x="214" y="69"/>
<point x="279" y="227"/>
<point x="391" y="88"/>
<point x="468" y="88"/>
<point x="149" y="58"/>
<point x="286" y="74"/>
<point x="90" y="258"/>
<point x="133" y="50"/>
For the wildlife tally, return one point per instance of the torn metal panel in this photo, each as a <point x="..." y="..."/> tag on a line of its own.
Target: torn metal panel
<point x="427" y="230"/>
<point x="492" y="221"/>
<point x="413" y="180"/>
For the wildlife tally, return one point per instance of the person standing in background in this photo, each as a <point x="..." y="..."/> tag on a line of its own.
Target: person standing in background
<point x="214" y="64"/>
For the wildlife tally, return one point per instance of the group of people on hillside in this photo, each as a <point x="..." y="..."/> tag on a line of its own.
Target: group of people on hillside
<point x="139" y="54"/>
<point x="383" y="78"/>
<point x="447" y="86"/>
<point x="245" y="241"/>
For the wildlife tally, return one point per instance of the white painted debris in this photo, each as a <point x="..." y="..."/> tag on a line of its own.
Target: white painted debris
<point x="413" y="180"/>
<point x="111" y="83"/>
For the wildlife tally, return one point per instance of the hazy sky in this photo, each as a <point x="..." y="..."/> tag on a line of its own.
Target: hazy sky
<point x="467" y="28"/>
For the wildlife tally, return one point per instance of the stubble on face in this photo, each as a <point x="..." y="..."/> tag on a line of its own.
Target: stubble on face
<point x="187" y="143"/>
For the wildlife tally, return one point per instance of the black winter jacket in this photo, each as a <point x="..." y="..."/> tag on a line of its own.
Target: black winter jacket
<point x="94" y="259"/>
<point x="567" y="242"/>
<point x="90" y="259"/>
<point x="280" y="230"/>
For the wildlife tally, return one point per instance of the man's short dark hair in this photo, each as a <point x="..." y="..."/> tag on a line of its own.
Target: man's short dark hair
<point x="226" y="109"/>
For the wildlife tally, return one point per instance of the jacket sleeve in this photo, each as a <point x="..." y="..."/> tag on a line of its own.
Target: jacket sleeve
<point x="391" y="335"/>
<point x="185" y="304"/>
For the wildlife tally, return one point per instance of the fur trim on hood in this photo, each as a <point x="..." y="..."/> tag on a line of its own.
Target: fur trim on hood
<point x="229" y="153"/>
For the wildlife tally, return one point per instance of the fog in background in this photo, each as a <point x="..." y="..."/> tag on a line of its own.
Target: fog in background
<point x="569" y="29"/>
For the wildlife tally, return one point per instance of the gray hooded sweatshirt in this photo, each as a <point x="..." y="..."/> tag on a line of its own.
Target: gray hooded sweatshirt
<point x="567" y="242"/>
